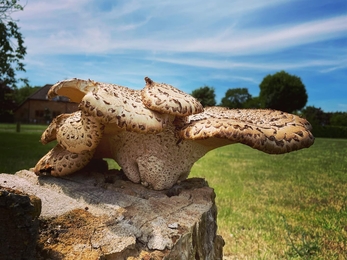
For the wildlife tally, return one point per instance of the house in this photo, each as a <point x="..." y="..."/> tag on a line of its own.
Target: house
<point x="37" y="109"/>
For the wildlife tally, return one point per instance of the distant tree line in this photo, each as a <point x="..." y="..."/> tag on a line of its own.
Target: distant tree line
<point x="326" y="124"/>
<point x="284" y="92"/>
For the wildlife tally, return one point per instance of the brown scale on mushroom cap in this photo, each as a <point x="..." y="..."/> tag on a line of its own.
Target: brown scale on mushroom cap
<point x="156" y="134"/>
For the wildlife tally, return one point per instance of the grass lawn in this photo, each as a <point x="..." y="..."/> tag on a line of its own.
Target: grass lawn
<point x="291" y="206"/>
<point x="21" y="150"/>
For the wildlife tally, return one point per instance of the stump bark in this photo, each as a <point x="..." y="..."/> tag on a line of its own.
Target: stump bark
<point x="19" y="224"/>
<point x="103" y="216"/>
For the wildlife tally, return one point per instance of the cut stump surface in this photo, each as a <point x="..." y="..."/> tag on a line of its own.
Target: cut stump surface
<point x="103" y="216"/>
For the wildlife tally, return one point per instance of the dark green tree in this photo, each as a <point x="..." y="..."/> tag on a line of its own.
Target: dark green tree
<point x="338" y="119"/>
<point x="253" y="102"/>
<point x="205" y="95"/>
<point x="12" y="50"/>
<point x="315" y="116"/>
<point x="283" y="91"/>
<point x="236" y="98"/>
<point x="20" y="94"/>
<point x="7" y="103"/>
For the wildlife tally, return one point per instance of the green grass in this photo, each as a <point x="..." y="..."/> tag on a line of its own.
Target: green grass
<point x="21" y="150"/>
<point x="12" y="128"/>
<point x="291" y="206"/>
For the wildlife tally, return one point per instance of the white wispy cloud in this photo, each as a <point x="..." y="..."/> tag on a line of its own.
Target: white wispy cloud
<point x="189" y="43"/>
<point x="71" y="27"/>
<point x="223" y="64"/>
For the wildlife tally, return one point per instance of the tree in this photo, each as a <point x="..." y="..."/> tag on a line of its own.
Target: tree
<point x="12" y="50"/>
<point x="315" y="116"/>
<point x="339" y="119"/>
<point x="20" y="94"/>
<point x="282" y="91"/>
<point x="205" y="95"/>
<point x="7" y="103"/>
<point x="236" y="98"/>
<point x="253" y="102"/>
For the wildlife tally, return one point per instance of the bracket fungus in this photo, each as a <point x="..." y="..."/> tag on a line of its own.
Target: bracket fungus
<point x="156" y="134"/>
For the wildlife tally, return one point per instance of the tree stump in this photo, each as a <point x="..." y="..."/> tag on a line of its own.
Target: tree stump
<point x="104" y="216"/>
<point x="19" y="224"/>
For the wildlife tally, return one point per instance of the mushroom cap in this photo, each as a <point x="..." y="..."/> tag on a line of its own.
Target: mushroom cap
<point x="59" y="162"/>
<point x="74" y="89"/>
<point x="269" y="131"/>
<point x="167" y="99"/>
<point x="123" y="108"/>
<point x="112" y="104"/>
<point x="75" y="132"/>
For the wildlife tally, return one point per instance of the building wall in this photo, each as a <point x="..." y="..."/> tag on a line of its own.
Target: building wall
<point x="42" y="111"/>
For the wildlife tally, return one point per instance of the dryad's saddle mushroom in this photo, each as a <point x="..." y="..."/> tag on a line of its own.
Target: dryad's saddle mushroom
<point x="156" y="134"/>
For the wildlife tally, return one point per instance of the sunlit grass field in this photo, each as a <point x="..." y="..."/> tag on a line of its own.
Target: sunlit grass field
<point x="21" y="150"/>
<point x="291" y="206"/>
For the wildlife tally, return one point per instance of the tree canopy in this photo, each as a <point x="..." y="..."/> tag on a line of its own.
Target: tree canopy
<point x="12" y="50"/>
<point x="282" y="91"/>
<point x="315" y="116"/>
<point x="339" y="118"/>
<point x="20" y="94"/>
<point x="205" y="95"/>
<point x="7" y="103"/>
<point x="236" y="98"/>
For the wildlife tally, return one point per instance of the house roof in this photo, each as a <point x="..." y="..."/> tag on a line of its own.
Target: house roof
<point x="41" y="94"/>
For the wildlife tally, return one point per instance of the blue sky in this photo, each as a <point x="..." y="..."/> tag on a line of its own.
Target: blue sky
<point x="189" y="44"/>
